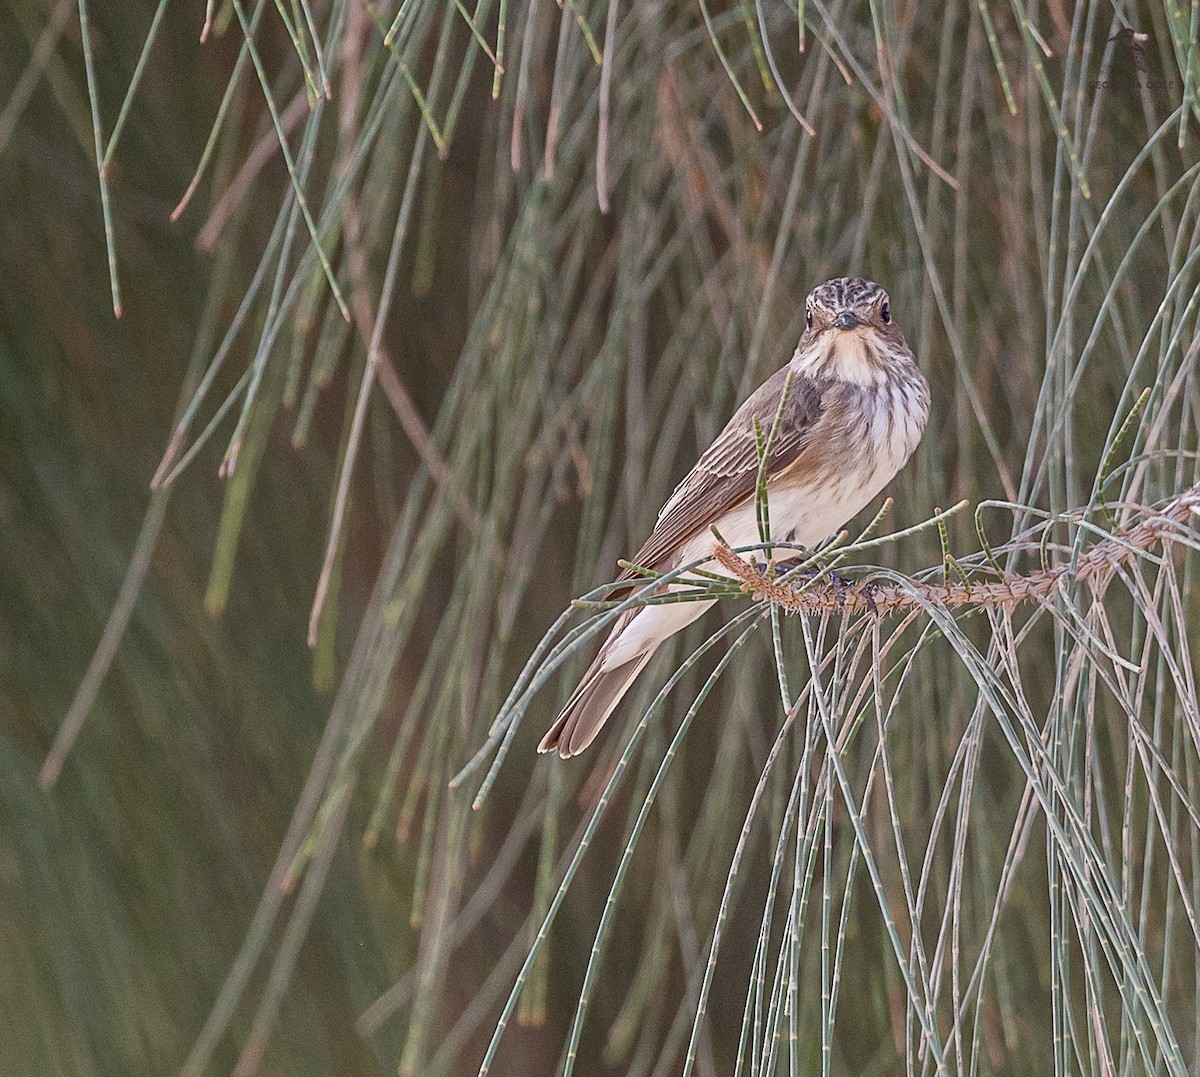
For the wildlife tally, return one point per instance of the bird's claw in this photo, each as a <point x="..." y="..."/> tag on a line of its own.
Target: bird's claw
<point x="866" y="590"/>
<point x="842" y="585"/>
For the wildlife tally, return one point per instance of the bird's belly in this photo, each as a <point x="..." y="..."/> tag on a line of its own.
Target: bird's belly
<point x="803" y="513"/>
<point x="831" y="482"/>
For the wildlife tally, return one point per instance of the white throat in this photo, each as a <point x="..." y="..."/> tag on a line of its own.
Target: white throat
<point x="849" y="354"/>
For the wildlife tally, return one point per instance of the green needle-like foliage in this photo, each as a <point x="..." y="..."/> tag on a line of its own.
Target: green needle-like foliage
<point x="424" y="308"/>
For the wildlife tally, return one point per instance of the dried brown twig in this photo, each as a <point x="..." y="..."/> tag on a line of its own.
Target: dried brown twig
<point x="1095" y="565"/>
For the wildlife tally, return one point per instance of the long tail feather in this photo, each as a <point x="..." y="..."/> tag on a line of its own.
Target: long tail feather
<point x="590" y="706"/>
<point x="632" y="642"/>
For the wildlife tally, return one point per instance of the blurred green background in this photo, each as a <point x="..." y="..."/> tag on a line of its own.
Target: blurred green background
<point x="565" y="364"/>
<point x="127" y="888"/>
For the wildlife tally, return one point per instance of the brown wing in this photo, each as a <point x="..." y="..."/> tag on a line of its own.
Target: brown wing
<point x="727" y="472"/>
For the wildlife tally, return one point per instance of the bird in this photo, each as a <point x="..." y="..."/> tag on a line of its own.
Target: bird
<point x="857" y="407"/>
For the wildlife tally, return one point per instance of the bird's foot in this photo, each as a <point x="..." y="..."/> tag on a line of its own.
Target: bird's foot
<point x="867" y="589"/>
<point x="842" y="585"/>
<point x="845" y="587"/>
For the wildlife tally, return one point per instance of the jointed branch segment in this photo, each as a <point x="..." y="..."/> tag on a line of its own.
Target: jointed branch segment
<point x="1096" y="564"/>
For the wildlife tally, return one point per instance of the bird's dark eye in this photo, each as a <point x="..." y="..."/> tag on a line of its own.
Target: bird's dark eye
<point x="885" y="313"/>
<point x="808" y="318"/>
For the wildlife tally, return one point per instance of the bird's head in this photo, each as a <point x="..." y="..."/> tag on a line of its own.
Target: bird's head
<point x="850" y="332"/>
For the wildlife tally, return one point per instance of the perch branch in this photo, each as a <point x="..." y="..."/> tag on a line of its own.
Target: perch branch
<point x="1096" y="564"/>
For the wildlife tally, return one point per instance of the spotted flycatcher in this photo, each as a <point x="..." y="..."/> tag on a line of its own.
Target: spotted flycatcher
<point x="856" y="410"/>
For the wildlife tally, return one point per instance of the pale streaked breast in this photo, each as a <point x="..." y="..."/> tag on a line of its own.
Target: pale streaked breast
<point x="868" y="441"/>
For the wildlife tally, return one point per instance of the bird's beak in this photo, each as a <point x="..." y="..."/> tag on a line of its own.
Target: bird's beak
<point x="848" y="320"/>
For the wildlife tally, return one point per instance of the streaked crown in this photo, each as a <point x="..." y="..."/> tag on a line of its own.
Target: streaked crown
<point x="864" y="301"/>
<point x="850" y="334"/>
